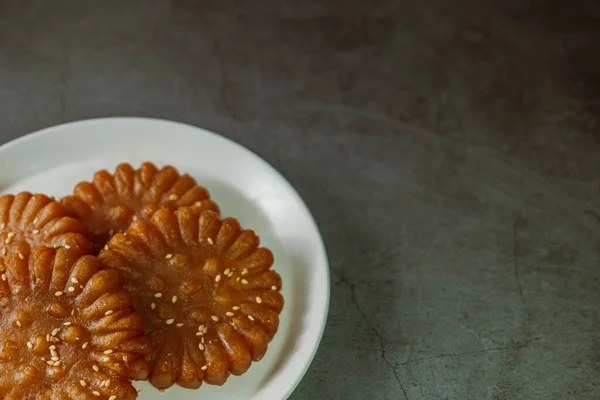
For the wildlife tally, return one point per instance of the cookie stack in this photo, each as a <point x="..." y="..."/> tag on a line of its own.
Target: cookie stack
<point x="134" y="276"/>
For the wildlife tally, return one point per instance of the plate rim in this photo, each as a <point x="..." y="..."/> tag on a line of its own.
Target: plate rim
<point x="323" y="267"/>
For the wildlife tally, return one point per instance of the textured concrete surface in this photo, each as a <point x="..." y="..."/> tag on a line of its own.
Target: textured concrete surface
<point x="448" y="149"/>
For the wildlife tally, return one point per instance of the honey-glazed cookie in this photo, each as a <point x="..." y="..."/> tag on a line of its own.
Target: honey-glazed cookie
<point x="36" y="219"/>
<point x="67" y="328"/>
<point x="206" y="290"/>
<point x="109" y="203"/>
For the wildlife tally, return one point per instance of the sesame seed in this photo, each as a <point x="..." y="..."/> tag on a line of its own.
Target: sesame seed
<point x="174" y="299"/>
<point x="226" y="272"/>
<point x="105" y="359"/>
<point x="245" y="271"/>
<point x="158" y="295"/>
<point x="244" y="281"/>
<point x="21" y="256"/>
<point x="80" y="286"/>
<point x="50" y="362"/>
<point x="113" y="397"/>
<point x="170" y="321"/>
<point x="95" y="368"/>
<point x="237" y="279"/>
<point x="199" y="333"/>
<point x="68" y="323"/>
<point x="67" y="246"/>
<point x="273" y="288"/>
<point x="73" y="312"/>
<point x="58" y="294"/>
<point x="214" y="318"/>
<point x="235" y="308"/>
<point x="11" y="235"/>
<point x="258" y="300"/>
<point x="106" y="247"/>
<point x="55" y="331"/>
<point x="35" y="221"/>
<point x="204" y="367"/>
<point x="108" y="313"/>
<point x="71" y="289"/>
<point x="107" y="352"/>
<point x="230" y="275"/>
<point x="55" y="358"/>
<point x="201" y="328"/>
<point x="179" y="325"/>
<point x="102" y="383"/>
<point x="35" y="231"/>
<point x="29" y="345"/>
<point x="19" y="324"/>
<point x="74" y="280"/>
<point x="53" y="353"/>
<point x="107" y="384"/>
<point x="125" y="358"/>
<point x="96" y="393"/>
<point x="218" y="278"/>
<point x="173" y="197"/>
<point x="229" y="314"/>
<point x="250" y="317"/>
<point x="47" y="337"/>
<point x="135" y="217"/>
<point x="200" y="346"/>
<point x="205" y="330"/>
<point x="3" y="277"/>
<point x="53" y="347"/>
<point x="202" y="340"/>
<point x="169" y="256"/>
<point x="210" y="241"/>
<point x="153" y="306"/>
<point x="83" y="346"/>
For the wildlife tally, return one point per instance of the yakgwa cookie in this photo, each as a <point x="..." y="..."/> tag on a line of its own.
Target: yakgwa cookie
<point x="67" y="328"/>
<point x="36" y="219"/>
<point x="110" y="202"/>
<point x="206" y="290"/>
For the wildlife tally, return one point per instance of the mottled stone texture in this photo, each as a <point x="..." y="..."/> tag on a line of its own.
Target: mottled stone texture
<point x="450" y="151"/>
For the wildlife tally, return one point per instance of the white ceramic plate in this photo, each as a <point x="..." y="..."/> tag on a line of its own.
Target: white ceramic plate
<point x="53" y="160"/>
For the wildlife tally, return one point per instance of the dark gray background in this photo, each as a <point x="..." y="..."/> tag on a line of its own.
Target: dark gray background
<point x="448" y="149"/>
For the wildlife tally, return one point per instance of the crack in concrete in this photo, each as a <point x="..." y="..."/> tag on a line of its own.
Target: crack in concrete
<point x="223" y="82"/>
<point x="66" y="76"/>
<point x="467" y="353"/>
<point x="516" y="347"/>
<point x="381" y="341"/>
<point x="518" y="277"/>
<point x="343" y="280"/>
<point x="279" y="162"/>
<point x="590" y="330"/>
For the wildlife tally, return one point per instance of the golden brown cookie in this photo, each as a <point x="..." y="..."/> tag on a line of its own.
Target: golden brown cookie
<point x="67" y="330"/>
<point x="37" y="220"/>
<point x="206" y="290"/>
<point x="110" y="202"/>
